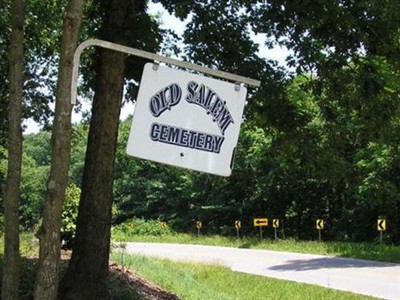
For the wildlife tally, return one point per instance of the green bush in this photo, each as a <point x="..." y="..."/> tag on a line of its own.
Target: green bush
<point x="140" y="227"/>
<point x="70" y="213"/>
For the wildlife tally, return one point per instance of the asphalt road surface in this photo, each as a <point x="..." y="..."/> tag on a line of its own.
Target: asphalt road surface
<point x="365" y="277"/>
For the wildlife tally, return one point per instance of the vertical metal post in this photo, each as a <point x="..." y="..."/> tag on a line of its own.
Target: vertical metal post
<point x="381" y="238"/>
<point x="275" y="233"/>
<point x="198" y="232"/>
<point x="319" y="235"/>
<point x="237" y="233"/>
<point x="260" y="232"/>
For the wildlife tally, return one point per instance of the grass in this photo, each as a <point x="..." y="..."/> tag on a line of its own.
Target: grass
<point x="370" y="251"/>
<point x="196" y="281"/>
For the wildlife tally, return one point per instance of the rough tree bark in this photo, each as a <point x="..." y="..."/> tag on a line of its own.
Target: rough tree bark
<point x="11" y="267"/>
<point x="46" y="286"/>
<point x="87" y="274"/>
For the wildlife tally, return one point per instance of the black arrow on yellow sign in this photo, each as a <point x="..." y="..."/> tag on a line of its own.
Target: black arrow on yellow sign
<point x="238" y="224"/>
<point x="198" y="224"/>
<point x="260" y="222"/>
<point x="381" y="224"/>
<point x="275" y="223"/>
<point x="320" y="224"/>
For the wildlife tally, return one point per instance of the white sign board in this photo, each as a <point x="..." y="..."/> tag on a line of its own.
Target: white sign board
<point x="186" y="120"/>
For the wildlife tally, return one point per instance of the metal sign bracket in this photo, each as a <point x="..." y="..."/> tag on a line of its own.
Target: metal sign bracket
<point x="151" y="56"/>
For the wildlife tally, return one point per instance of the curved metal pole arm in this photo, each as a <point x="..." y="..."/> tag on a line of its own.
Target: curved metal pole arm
<point x="150" y="56"/>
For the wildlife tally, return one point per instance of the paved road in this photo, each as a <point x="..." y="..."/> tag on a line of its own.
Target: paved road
<point x="377" y="279"/>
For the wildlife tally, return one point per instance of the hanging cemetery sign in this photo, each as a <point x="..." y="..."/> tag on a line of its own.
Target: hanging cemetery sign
<point x="186" y="120"/>
<point x="170" y="124"/>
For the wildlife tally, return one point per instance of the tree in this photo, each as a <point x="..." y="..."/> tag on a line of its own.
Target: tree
<point x="90" y="255"/>
<point x="42" y="37"/>
<point x="42" y="33"/>
<point x="11" y="266"/>
<point x="46" y="286"/>
<point x="87" y="274"/>
<point x="5" y="21"/>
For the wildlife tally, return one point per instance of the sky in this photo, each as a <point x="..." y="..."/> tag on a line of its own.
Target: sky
<point x="170" y="22"/>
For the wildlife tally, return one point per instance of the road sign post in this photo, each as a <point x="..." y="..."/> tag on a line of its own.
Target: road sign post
<point x="381" y="226"/>
<point x="238" y="225"/>
<point x="275" y="224"/>
<point x="320" y="225"/>
<point x="260" y="222"/>
<point x="199" y="224"/>
<point x="164" y="225"/>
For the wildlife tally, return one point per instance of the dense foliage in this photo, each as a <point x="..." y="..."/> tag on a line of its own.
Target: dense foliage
<point x="320" y="140"/>
<point x="294" y="176"/>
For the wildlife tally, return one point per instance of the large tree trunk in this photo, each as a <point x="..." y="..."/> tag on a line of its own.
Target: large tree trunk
<point x="87" y="275"/>
<point x="46" y="286"/>
<point x="11" y="267"/>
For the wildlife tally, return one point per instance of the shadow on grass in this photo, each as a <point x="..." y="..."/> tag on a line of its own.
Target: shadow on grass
<point x="249" y="243"/>
<point x="369" y="251"/>
<point x="245" y="246"/>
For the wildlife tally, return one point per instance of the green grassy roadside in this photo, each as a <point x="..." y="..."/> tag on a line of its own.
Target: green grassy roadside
<point x="370" y="251"/>
<point x="205" y="282"/>
<point x="195" y="281"/>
